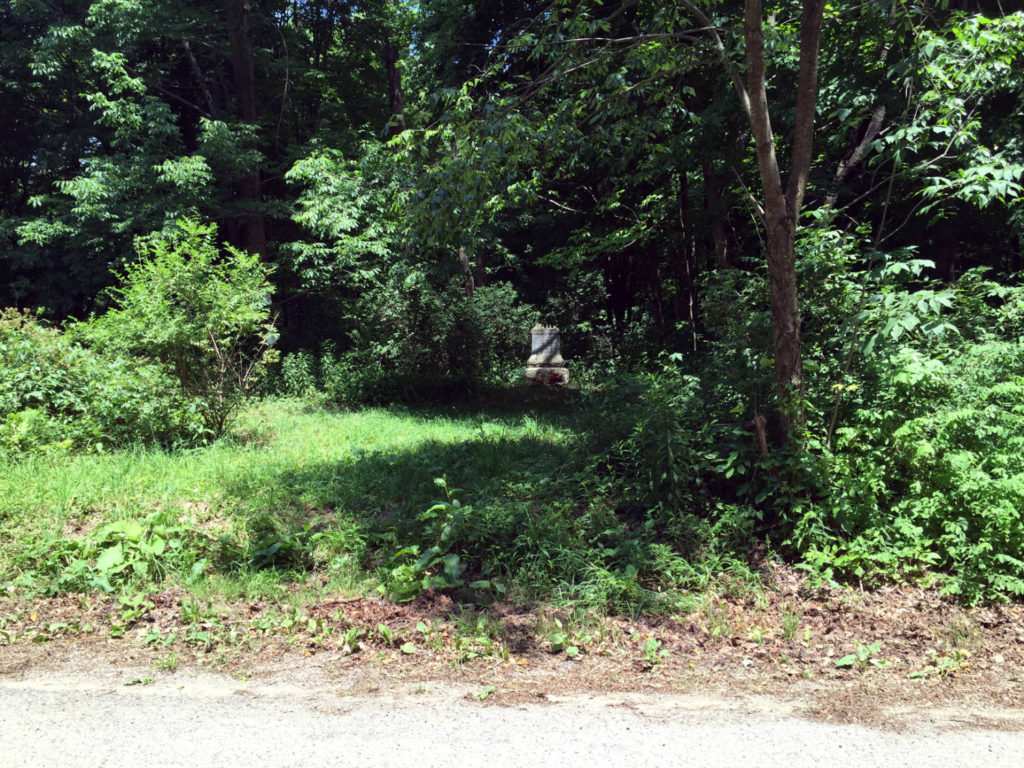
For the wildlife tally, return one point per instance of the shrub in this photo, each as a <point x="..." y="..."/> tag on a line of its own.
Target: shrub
<point x="910" y="467"/>
<point x="58" y="394"/>
<point x="200" y="312"/>
<point x="298" y="375"/>
<point x="927" y="474"/>
<point x="409" y="326"/>
<point x="924" y="473"/>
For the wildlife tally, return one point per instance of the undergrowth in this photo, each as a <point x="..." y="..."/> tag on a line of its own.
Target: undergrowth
<point x="626" y="498"/>
<point x="491" y="506"/>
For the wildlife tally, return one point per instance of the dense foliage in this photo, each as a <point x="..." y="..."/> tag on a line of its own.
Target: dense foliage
<point x="60" y="395"/>
<point x="202" y="315"/>
<point x="785" y="260"/>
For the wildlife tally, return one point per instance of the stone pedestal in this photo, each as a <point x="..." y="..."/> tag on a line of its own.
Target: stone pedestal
<point x="546" y="365"/>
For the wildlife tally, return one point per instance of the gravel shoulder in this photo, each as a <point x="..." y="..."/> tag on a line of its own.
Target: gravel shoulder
<point x="726" y="683"/>
<point x="284" y="719"/>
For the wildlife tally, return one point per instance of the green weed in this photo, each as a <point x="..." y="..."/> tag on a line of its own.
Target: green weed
<point x="167" y="662"/>
<point x="653" y="652"/>
<point x="791" y="619"/>
<point x="944" y="664"/>
<point x="862" y="657"/>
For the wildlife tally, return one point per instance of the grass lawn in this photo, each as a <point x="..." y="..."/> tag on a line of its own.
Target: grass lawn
<point x="296" y="490"/>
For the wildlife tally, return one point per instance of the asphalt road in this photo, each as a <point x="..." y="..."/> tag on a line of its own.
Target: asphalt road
<point x="195" y="721"/>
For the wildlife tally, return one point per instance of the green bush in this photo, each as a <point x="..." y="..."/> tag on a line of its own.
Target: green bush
<point x="201" y="313"/>
<point x="298" y="375"/>
<point x="920" y="470"/>
<point x="416" y="344"/>
<point x="59" y="395"/>
<point x="408" y="326"/>
<point x="911" y="464"/>
<point x="117" y="557"/>
<point x="927" y="474"/>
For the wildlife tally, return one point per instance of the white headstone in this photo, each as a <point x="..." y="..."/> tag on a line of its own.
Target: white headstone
<point x="546" y="365"/>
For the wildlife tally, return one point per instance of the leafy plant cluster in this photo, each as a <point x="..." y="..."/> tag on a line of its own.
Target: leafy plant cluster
<point x="417" y="567"/>
<point x="911" y="463"/>
<point x="409" y="325"/>
<point x="925" y="475"/>
<point x="201" y="312"/>
<point x="116" y="557"/>
<point x="170" y="362"/>
<point x="60" y="394"/>
<point x="415" y="343"/>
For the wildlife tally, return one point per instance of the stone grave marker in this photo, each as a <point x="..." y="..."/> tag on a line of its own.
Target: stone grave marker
<point x="546" y="365"/>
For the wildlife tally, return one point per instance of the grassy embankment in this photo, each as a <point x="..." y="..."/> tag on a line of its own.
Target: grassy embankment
<point x="298" y="495"/>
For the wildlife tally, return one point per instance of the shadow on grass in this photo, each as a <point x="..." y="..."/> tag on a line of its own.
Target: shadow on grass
<point x="517" y="468"/>
<point x="506" y="449"/>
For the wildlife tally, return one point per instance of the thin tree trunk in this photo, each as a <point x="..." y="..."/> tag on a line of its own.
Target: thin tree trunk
<point x="856" y="156"/>
<point x="201" y="84"/>
<point x="390" y="55"/>
<point x="467" y="272"/>
<point x="686" y="262"/>
<point x="782" y="208"/>
<point x="252" y="235"/>
<point x="481" y="267"/>
<point x="713" y="205"/>
<point x="789" y="376"/>
<point x="397" y="123"/>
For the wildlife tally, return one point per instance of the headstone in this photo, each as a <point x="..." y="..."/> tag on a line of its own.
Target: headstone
<point x="546" y="365"/>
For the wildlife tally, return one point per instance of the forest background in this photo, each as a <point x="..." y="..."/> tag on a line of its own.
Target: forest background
<point x="783" y="244"/>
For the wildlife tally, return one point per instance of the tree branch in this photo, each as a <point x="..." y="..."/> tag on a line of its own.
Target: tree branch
<point x="760" y="120"/>
<point x="855" y="158"/>
<point x="723" y="55"/>
<point x="806" y="97"/>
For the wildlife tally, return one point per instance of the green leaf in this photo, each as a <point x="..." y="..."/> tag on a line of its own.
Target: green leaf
<point x="154" y="546"/>
<point x="110" y="558"/>
<point x="485" y="692"/>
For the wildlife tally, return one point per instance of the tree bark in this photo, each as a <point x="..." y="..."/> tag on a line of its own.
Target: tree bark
<point x="782" y="207"/>
<point x="686" y="264"/>
<point x="251" y="233"/>
<point x="481" y="266"/>
<point x="713" y="206"/>
<point x="468" y="285"/>
<point x="201" y="84"/>
<point x="856" y="156"/>
<point x="397" y="122"/>
<point x="390" y="56"/>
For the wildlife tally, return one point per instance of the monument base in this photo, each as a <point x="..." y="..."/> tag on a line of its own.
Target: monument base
<point x="549" y="376"/>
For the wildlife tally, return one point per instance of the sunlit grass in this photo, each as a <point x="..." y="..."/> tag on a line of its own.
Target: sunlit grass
<point x="289" y="463"/>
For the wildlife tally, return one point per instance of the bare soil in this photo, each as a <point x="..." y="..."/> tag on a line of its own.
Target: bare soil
<point x="937" y="660"/>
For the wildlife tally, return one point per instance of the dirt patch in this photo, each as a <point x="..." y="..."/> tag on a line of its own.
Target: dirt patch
<point x="914" y="651"/>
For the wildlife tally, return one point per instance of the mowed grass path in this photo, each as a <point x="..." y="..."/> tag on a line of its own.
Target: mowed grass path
<point x="291" y="464"/>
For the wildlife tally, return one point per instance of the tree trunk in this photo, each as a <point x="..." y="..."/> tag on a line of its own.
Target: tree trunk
<point x="481" y="266"/>
<point x="390" y="55"/>
<point x="713" y="205"/>
<point x="397" y="123"/>
<point x="782" y="208"/>
<point x="251" y="234"/>
<point x="686" y="263"/>
<point x="467" y="272"/>
<point x="789" y="374"/>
